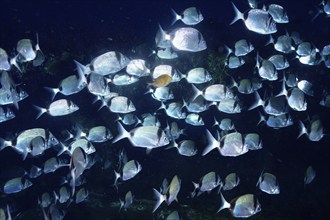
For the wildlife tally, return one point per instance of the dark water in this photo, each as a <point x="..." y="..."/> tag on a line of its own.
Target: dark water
<point x="82" y="30"/>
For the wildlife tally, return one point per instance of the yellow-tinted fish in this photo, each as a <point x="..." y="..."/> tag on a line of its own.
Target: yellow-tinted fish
<point x="161" y="81"/>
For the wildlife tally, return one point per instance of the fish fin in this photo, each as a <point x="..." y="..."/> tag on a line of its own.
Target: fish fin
<point x="224" y="204"/>
<point x="82" y="80"/>
<point x="40" y="110"/>
<point x="302" y="129"/>
<point x="13" y="61"/>
<point x="262" y="118"/>
<point x="196" y="92"/>
<point x="4" y="144"/>
<point x="52" y="91"/>
<point x="283" y="91"/>
<point x="270" y="40"/>
<point x="122" y="133"/>
<point x="85" y="69"/>
<point x="212" y="143"/>
<point x="63" y="148"/>
<point x="176" y="16"/>
<point x="160" y="199"/>
<point x="258" y="102"/>
<point x="238" y="15"/>
<point x="228" y="50"/>
<point x="73" y="177"/>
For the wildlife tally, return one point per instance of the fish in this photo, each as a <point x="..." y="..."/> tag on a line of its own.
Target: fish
<point x="233" y="62"/>
<point x="70" y="85"/>
<point x="53" y="164"/>
<point x="283" y="44"/>
<point x="207" y="183"/>
<point x="185" y="147"/>
<point x="168" y="70"/>
<point x="59" y="107"/>
<point x="297" y="100"/>
<point x="81" y="195"/>
<point x="4" y="62"/>
<point x="268" y="183"/>
<point x="121" y="104"/>
<point x="98" y="85"/>
<point x="306" y="87"/>
<point x="144" y="136"/>
<point x="165" y="53"/>
<point x="161" y="81"/>
<point x="197" y="75"/>
<point x="194" y="119"/>
<point x="16" y="185"/>
<point x="241" y="48"/>
<point x="98" y="134"/>
<point x="231" y="144"/>
<point x="34" y="172"/>
<point x="231" y="181"/>
<point x="129" y="171"/>
<point x="150" y="120"/>
<point x="278" y="13"/>
<point x="63" y="194"/>
<point x="198" y="105"/>
<point x="230" y="106"/>
<point x="6" y="114"/>
<point x="25" y="49"/>
<point x="127" y="202"/>
<point x="106" y="64"/>
<point x="186" y="39"/>
<point x="279" y="61"/>
<point x="266" y="69"/>
<point x="243" y="206"/>
<point x="173" y="190"/>
<point x="256" y="20"/>
<point x="174" y="110"/>
<point x="309" y="175"/>
<point x="306" y="49"/>
<point x="253" y="141"/>
<point x="129" y="119"/>
<point x="225" y="124"/>
<point x="214" y="93"/>
<point x="190" y="16"/>
<point x="173" y="216"/>
<point x="124" y="79"/>
<point x="314" y="131"/>
<point x="138" y="68"/>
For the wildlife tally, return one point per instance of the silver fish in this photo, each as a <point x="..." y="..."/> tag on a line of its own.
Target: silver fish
<point x="161" y="93"/>
<point x="297" y="100"/>
<point x="256" y="20"/>
<point x="230" y="106"/>
<point x="231" y="145"/>
<point x="99" y="134"/>
<point x="81" y="195"/>
<point x="6" y="114"/>
<point x="243" y="47"/>
<point x="34" y="172"/>
<point x="309" y="175"/>
<point x="38" y="146"/>
<point x="305" y="49"/>
<point x="150" y="120"/>
<point x="266" y="70"/>
<point x="128" y="201"/>
<point x="314" y="131"/>
<point x="63" y="194"/>
<point x="190" y="16"/>
<point x="234" y="62"/>
<point x="4" y="62"/>
<point x="70" y="85"/>
<point x="137" y="67"/>
<point x="207" y="183"/>
<point x="214" y="93"/>
<point x="121" y="104"/>
<point x="278" y="13"/>
<point x="58" y="108"/>
<point x="279" y="61"/>
<point x="16" y="185"/>
<point x="187" y="39"/>
<point x="166" y="53"/>
<point x="173" y="216"/>
<point x="253" y="141"/>
<point x="45" y="200"/>
<point x="268" y="183"/>
<point x="168" y="70"/>
<point x="123" y="79"/>
<point x="283" y="44"/>
<point x="231" y="181"/>
<point x="305" y="87"/>
<point x="174" y="110"/>
<point x="129" y="119"/>
<point x="186" y="147"/>
<point x="279" y="121"/>
<point x="173" y="190"/>
<point x="26" y="51"/>
<point x="83" y="143"/>
<point x="244" y="86"/>
<point x="145" y="136"/>
<point x="225" y="124"/>
<point x="194" y="119"/>
<point x="241" y="207"/>
<point x="198" y="75"/>
<point x="53" y="164"/>
<point x="107" y="63"/>
<point x="199" y="104"/>
<point x="130" y="170"/>
<point x="98" y="85"/>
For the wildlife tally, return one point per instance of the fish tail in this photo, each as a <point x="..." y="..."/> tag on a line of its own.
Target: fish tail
<point x="13" y="61"/>
<point x="212" y="143"/>
<point x="160" y="199"/>
<point x="258" y="102"/>
<point x="122" y="133"/>
<point x="52" y="91"/>
<point x="84" y="69"/>
<point x="196" y="92"/>
<point x="176" y="16"/>
<point x="238" y="15"/>
<point x="40" y="110"/>
<point x="224" y="204"/>
<point x="302" y="129"/>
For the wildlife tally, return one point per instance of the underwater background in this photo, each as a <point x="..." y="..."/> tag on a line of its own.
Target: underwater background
<point x="82" y="30"/>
